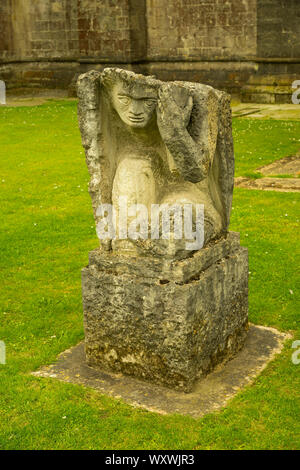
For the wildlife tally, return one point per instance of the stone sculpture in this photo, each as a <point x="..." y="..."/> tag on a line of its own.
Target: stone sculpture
<point x="153" y="307"/>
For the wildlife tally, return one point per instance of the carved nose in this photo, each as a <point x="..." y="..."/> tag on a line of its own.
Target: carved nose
<point x="136" y="109"/>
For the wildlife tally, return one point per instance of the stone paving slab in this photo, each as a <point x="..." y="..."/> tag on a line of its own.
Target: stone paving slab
<point x="289" y="165"/>
<point x="269" y="184"/>
<point x="209" y="394"/>
<point x="266" y="111"/>
<point x="36" y="98"/>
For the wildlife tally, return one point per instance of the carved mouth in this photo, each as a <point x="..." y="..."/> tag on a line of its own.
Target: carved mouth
<point x="136" y="118"/>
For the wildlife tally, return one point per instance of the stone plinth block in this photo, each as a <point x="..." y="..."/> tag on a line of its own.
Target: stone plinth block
<point x="168" y="322"/>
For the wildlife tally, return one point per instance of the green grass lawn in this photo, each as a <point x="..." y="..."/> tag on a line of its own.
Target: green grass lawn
<point x="260" y="142"/>
<point x="47" y="231"/>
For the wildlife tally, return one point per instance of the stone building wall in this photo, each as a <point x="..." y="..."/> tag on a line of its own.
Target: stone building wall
<point x="5" y="30"/>
<point x="227" y="43"/>
<point x="196" y="29"/>
<point x="278" y="24"/>
<point x="278" y="52"/>
<point x="212" y="41"/>
<point x="68" y="28"/>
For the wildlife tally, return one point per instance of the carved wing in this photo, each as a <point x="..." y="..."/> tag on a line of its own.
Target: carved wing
<point x="210" y="126"/>
<point x="223" y="163"/>
<point x="88" y="91"/>
<point x="91" y="109"/>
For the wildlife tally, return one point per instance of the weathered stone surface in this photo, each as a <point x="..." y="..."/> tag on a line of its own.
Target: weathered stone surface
<point x="157" y="143"/>
<point x="209" y="394"/>
<point x="162" y="269"/>
<point x="160" y="307"/>
<point x="171" y="326"/>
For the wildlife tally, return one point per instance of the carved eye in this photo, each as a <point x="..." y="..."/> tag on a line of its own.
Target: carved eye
<point x="150" y="103"/>
<point x="124" y="99"/>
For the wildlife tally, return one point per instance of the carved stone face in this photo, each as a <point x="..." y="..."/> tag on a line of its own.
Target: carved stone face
<point x="135" y="106"/>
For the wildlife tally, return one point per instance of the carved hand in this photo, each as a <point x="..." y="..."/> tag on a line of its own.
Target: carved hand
<point x="173" y="115"/>
<point x="173" y="110"/>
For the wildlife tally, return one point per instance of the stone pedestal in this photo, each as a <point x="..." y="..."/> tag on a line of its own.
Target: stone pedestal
<point x="168" y="322"/>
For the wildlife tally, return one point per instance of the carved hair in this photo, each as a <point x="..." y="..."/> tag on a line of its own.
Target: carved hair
<point x="110" y="76"/>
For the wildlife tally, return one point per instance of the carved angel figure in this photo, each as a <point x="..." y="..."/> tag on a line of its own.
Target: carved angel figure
<point x="157" y="142"/>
